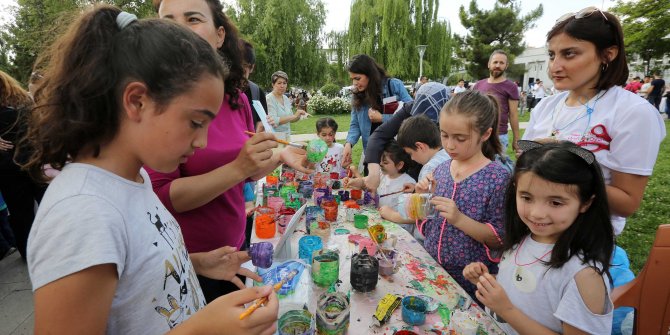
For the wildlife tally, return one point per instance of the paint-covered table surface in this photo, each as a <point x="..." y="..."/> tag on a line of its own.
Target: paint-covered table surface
<point x="416" y="273"/>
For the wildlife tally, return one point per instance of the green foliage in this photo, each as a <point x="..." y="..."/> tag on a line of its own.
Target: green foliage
<point x="499" y="28"/>
<point x="337" y="44"/>
<point x="39" y="22"/>
<point x="645" y="25"/>
<point x="286" y="36"/>
<point x="322" y="105"/>
<point x="389" y="31"/>
<point x="330" y="90"/>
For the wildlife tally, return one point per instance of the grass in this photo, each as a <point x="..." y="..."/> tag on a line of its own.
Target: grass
<point x="640" y="231"/>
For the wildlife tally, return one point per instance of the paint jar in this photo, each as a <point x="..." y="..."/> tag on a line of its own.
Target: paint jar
<point x="351" y="208"/>
<point x="321" y="199"/>
<point x="332" y="314"/>
<point x="364" y="271"/>
<point x="265" y="226"/>
<point x="307" y="245"/>
<point x="344" y="195"/>
<point x="321" y="180"/>
<point x="405" y="332"/>
<point x="370" y="200"/>
<point x="387" y="262"/>
<point x="284" y="218"/>
<point x="356" y="194"/>
<point x="269" y="191"/>
<point x="306" y="188"/>
<point x="286" y="191"/>
<point x="334" y="176"/>
<point x="276" y="203"/>
<point x="296" y="322"/>
<point x="418" y="206"/>
<point x="335" y="184"/>
<point x="330" y="207"/>
<point x="414" y="310"/>
<point x="320" y="192"/>
<point x="367" y="244"/>
<point x="321" y="229"/>
<point x="312" y="214"/>
<point x="261" y="254"/>
<point x="325" y="267"/>
<point x="288" y="174"/>
<point x="377" y="233"/>
<point x="295" y="201"/>
<point x="463" y="323"/>
<point x="360" y="221"/>
<point x="271" y="180"/>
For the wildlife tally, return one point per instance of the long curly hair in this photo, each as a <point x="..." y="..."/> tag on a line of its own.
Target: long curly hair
<point x="12" y="94"/>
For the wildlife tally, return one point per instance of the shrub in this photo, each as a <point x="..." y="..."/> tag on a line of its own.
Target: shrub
<point x="320" y="104"/>
<point x="330" y="90"/>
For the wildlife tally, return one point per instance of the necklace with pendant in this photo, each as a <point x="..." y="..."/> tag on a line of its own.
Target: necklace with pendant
<point x="556" y="130"/>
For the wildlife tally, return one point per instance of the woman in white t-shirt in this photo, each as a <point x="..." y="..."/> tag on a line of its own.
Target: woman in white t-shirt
<point x="587" y="61"/>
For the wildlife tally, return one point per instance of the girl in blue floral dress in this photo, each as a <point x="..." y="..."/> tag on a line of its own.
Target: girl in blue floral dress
<point x="468" y="189"/>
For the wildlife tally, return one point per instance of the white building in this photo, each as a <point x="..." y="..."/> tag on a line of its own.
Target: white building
<point x="536" y="62"/>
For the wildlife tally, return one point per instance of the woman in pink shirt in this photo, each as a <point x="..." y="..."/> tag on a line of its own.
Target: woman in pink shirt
<point x="205" y="193"/>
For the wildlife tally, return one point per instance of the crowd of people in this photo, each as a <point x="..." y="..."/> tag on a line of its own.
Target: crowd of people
<point x="157" y="135"/>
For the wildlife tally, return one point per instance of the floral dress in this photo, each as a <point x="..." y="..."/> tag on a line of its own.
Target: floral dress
<point x="480" y="197"/>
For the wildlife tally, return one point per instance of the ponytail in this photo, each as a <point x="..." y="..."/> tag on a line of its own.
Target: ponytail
<point x="78" y="104"/>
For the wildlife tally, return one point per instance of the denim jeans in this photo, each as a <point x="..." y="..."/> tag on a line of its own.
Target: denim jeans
<point x="504" y="141"/>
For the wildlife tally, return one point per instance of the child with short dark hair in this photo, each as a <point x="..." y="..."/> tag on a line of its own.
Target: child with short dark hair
<point x="554" y="272"/>
<point x="395" y="161"/>
<point x="326" y="129"/>
<point x="419" y="136"/>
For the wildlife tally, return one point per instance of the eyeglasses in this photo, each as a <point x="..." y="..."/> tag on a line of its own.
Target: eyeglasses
<point x="586" y="12"/>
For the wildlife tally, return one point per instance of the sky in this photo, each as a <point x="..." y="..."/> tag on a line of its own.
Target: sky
<point x="338" y="14"/>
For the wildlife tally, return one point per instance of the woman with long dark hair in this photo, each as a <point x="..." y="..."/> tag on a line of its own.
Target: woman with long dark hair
<point x="371" y="85"/>
<point x="587" y="61"/>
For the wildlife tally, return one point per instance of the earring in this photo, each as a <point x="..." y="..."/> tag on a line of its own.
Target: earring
<point x="604" y="67"/>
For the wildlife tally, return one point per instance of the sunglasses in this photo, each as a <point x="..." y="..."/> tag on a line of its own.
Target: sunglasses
<point x="586" y="12"/>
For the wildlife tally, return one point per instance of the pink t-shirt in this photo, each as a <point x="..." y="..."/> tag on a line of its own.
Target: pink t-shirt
<point x="222" y="221"/>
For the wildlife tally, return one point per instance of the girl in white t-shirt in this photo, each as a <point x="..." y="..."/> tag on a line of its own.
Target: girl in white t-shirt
<point x="554" y="273"/>
<point x="394" y="162"/>
<point x="326" y="129"/>
<point x="104" y="254"/>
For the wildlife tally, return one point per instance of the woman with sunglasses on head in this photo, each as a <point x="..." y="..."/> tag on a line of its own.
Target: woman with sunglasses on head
<point x="588" y="62"/>
<point x="205" y="193"/>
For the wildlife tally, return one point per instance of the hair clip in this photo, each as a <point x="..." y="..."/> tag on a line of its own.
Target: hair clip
<point x="124" y="19"/>
<point x="584" y="154"/>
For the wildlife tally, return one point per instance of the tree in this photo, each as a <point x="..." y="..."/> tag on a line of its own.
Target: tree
<point x="645" y="26"/>
<point x="391" y="30"/>
<point x="499" y="28"/>
<point x="286" y="36"/>
<point x="38" y="23"/>
<point x="336" y="43"/>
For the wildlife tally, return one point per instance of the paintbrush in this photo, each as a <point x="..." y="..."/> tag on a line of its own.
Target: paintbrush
<point x="392" y="193"/>
<point x="261" y="301"/>
<point x="293" y="144"/>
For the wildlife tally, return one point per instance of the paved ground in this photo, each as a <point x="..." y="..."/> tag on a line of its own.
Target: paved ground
<point x="16" y="297"/>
